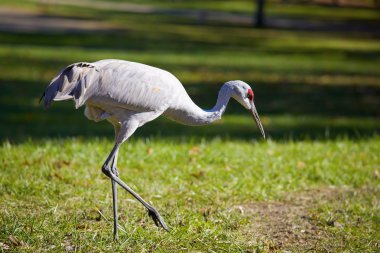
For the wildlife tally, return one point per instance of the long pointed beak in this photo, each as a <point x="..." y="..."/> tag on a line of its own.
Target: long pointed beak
<point x="256" y="117"/>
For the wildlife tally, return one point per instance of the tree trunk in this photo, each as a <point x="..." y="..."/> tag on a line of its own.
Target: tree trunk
<point x="259" y="19"/>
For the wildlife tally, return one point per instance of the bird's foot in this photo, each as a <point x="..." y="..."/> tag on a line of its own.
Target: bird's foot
<point x="157" y="219"/>
<point x="115" y="237"/>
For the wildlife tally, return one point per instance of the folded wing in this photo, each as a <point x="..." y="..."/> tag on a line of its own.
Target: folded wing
<point x="73" y="82"/>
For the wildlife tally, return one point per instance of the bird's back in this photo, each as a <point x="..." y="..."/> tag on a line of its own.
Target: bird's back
<point x="120" y="88"/>
<point x="134" y="86"/>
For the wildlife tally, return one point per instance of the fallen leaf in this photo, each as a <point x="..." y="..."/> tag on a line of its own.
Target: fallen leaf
<point x="198" y="174"/>
<point x="81" y="226"/>
<point x="301" y="165"/>
<point x="4" y="246"/>
<point x="377" y="174"/>
<point x="334" y="223"/>
<point x="56" y="175"/>
<point x="149" y="151"/>
<point x="194" y="150"/>
<point x="15" y="241"/>
<point x="68" y="246"/>
<point x="338" y="225"/>
<point x="205" y="212"/>
<point x="227" y="168"/>
<point x="60" y="163"/>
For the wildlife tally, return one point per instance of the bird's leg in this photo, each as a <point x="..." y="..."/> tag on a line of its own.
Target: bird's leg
<point x="114" y="197"/>
<point x="153" y="213"/>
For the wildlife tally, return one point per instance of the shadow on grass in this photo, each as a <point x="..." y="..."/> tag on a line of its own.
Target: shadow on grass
<point x="290" y="111"/>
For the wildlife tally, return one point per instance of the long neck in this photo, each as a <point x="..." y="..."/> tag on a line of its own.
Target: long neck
<point x="221" y="104"/>
<point x="188" y="113"/>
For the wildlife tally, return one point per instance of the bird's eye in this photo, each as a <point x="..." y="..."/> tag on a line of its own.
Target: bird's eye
<point x="250" y="94"/>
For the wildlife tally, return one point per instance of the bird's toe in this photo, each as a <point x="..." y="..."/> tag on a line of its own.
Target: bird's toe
<point x="158" y="219"/>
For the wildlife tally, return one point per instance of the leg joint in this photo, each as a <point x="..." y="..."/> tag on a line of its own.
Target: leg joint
<point x="106" y="170"/>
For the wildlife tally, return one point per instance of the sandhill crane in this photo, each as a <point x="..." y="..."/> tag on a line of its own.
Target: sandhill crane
<point x="128" y="95"/>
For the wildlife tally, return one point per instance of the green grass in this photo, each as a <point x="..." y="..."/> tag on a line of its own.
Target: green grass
<point x="273" y="8"/>
<point x="52" y="201"/>
<point x="220" y="188"/>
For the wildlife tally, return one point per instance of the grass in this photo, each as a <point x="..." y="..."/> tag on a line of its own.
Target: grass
<point x="273" y="8"/>
<point x="198" y="186"/>
<point x="313" y="186"/>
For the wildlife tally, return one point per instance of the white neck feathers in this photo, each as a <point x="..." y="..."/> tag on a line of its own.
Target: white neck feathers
<point x="188" y="113"/>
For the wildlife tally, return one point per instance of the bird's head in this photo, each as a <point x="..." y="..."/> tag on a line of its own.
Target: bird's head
<point x="243" y="93"/>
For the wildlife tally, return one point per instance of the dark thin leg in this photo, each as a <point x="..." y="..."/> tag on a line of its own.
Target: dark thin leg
<point x="152" y="211"/>
<point x="114" y="198"/>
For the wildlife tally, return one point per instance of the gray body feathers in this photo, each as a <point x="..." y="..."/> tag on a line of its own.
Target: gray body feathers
<point x="119" y="91"/>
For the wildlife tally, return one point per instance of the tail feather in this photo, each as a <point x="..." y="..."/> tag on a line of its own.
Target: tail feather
<point x="71" y="83"/>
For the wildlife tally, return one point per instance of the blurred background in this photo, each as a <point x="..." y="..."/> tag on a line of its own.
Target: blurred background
<point x="314" y="65"/>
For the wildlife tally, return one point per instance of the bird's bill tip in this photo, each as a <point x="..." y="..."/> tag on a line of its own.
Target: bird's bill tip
<point x="256" y="117"/>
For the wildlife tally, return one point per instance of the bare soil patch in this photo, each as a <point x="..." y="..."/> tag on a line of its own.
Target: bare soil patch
<point x="293" y="224"/>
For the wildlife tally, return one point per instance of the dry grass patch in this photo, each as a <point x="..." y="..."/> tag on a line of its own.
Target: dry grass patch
<point x="306" y="221"/>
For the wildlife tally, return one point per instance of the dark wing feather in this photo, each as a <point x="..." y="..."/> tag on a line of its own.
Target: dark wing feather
<point x="71" y="83"/>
